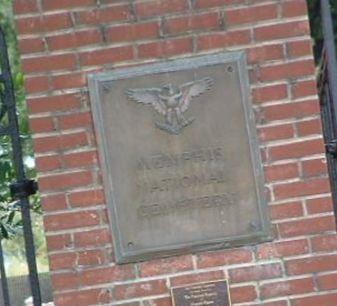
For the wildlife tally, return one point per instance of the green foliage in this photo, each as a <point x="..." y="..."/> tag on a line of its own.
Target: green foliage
<point x="316" y="24"/>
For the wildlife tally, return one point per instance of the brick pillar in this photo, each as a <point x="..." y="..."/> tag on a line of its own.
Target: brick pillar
<point x="61" y="41"/>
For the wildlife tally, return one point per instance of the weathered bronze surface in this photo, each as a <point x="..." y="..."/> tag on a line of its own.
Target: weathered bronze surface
<point x="180" y="159"/>
<point x="212" y="293"/>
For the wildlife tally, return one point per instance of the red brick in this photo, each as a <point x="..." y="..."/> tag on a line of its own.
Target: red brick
<point x="31" y="45"/>
<point x="157" y="302"/>
<point x="54" y="103"/>
<point x="270" y="93"/>
<point x="197" y="277"/>
<point x="320" y="205"/>
<point x="65" y="181"/>
<point x="243" y="294"/>
<point x="251" y="14"/>
<point x="327" y="282"/>
<point x="306" y="226"/>
<point x="314" y="167"/>
<point x="60" y="143"/>
<point x="165" y="266"/>
<point x="75" y="120"/>
<point x="92" y="238"/>
<point x="221" y="258"/>
<point x="165" y="48"/>
<point x="285" y="211"/>
<point x="290" y="110"/>
<point x="281" y="172"/>
<point x="276" y="303"/>
<point x="65" y="280"/>
<point x="223" y="39"/>
<point x="48" y="63"/>
<point x="53" y="202"/>
<point x="61" y="261"/>
<point x="65" y="4"/>
<point x="287" y="70"/>
<point x="69" y="80"/>
<point x="53" y="22"/>
<point x="86" y="198"/>
<point x="103" y="15"/>
<point x="137" y="290"/>
<point x="106" y="56"/>
<point x="201" y="4"/>
<point x="255" y="273"/>
<point x="311" y="265"/>
<point x="71" y="220"/>
<point x="310" y="127"/>
<point x="133" y="32"/>
<point x="59" y="242"/>
<point x="299" y="48"/>
<point x="278" y="132"/>
<point x="107" y="275"/>
<point x="299" y="189"/>
<point x="89" y="258"/>
<point x="36" y="84"/>
<point x="46" y="144"/>
<point x="74" y="39"/>
<point x="282" y="30"/>
<point x="74" y="140"/>
<point x="325" y="243"/>
<point x="327" y="299"/>
<point x="80" y="159"/>
<point x="50" y="22"/>
<point x="84" y="297"/>
<point x="159" y="7"/>
<point x="25" y="6"/>
<point x="286" y="288"/>
<point x="29" y="25"/>
<point x="208" y="21"/>
<point x="41" y="124"/>
<point x="293" y="8"/>
<point x="48" y="163"/>
<point x="304" y="88"/>
<point x="296" y="149"/>
<point x="282" y="249"/>
<point x="265" y="53"/>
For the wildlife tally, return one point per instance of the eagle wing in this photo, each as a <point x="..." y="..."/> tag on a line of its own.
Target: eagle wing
<point x="147" y="96"/>
<point x="194" y="89"/>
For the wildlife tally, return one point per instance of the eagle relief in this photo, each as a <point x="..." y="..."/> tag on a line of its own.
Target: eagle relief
<point x="171" y="101"/>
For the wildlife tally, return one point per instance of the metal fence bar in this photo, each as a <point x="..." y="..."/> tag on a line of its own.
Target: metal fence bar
<point x="3" y="131"/>
<point x="328" y="95"/>
<point x="4" y="283"/>
<point x="329" y="44"/>
<point x="23" y="188"/>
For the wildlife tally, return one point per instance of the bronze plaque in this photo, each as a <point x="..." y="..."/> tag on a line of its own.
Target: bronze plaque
<point x="179" y="155"/>
<point x="212" y="293"/>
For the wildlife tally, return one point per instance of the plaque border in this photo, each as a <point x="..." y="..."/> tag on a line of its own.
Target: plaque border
<point x="97" y="80"/>
<point x="226" y="280"/>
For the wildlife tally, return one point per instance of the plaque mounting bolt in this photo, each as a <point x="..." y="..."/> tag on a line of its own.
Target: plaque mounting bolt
<point x="253" y="226"/>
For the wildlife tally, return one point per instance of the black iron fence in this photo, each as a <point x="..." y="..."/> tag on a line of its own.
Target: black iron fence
<point x="328" y="93"/>
<point x="20" y="293"/>
<point x="22" y="188"/>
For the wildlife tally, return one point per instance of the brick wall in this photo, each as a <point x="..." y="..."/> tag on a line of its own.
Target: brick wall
<point x="63" y="40"/>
